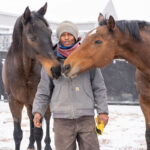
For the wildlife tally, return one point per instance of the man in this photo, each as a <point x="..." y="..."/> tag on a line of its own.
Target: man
<point x="72" y="101"/>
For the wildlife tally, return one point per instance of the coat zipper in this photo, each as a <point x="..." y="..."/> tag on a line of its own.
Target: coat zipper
<point x="73" y="113"/>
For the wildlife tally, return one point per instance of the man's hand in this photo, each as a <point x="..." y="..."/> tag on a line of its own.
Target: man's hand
<point x="104" y="118"/>
<point x="36" y="120"/>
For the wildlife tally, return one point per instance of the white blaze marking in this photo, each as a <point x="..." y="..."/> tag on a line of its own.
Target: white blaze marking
<point x="92" y="32"/>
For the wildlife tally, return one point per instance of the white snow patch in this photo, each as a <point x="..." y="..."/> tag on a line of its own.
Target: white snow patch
<point x="125" y="130"/>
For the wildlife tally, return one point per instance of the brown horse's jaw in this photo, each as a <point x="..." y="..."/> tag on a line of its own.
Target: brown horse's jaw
<point x="69" y="76"/>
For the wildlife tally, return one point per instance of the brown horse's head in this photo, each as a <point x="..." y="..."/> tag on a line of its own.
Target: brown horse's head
<point x="35" y="37"/>
<point x="97" y="49"/>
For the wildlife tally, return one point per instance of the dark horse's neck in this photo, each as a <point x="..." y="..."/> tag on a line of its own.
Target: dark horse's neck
<point x="30" y="65"/>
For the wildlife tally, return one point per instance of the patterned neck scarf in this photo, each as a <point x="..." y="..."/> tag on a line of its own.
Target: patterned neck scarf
<point x="63" y="51"/>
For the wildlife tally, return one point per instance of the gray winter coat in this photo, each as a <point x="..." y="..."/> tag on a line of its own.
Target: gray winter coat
<point x="71" y="98"/>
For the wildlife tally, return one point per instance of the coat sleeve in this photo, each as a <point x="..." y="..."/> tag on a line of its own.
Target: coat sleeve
<point x="43" y="94"/>
<point x="99" y="91"/>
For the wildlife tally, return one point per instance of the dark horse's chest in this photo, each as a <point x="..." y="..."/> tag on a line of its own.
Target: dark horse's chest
<point x="23" y="80"/>
<point x="32" y="75"/>
<point x="30" y="83"/>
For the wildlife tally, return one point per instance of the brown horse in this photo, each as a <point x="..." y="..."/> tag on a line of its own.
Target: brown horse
<point x="112" y="39"/>
<point x="31" y="46"/>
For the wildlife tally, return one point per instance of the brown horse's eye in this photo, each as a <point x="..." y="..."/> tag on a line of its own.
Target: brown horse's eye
<point x="98" y="42"/>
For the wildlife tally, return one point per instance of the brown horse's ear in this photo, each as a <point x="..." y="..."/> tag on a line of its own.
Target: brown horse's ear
<point x="111" y="23"/>
<point x="26" y="15"/>
<point x="100" y="17"/>
<point x="43" y="9"/>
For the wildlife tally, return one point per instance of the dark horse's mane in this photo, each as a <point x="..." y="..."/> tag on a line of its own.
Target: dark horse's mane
<point x="132" y="26"/>
<point x="17" y="32"/>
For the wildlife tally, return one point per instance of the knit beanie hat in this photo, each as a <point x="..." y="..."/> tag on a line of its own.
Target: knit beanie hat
<point x="67" y="26"/>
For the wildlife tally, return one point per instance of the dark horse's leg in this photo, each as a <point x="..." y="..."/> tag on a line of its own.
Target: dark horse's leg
<point x="143" y="87"/>
<point x="16" y="110"/>
<point x="47" y="138"/>
<point x="38" y="134"/>
<point x="31" y="138"/>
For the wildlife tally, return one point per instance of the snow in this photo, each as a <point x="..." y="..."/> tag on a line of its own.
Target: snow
<point x="125" y="130"/>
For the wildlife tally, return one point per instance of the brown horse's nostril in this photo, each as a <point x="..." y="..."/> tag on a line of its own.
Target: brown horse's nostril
<point x="56" y="71"/>
<point x="66" y="68"/>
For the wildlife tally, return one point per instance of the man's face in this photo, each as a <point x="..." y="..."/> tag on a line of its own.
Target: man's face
<point x="67" y="39"/>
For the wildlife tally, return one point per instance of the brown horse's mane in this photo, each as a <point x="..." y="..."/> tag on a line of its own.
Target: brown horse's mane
<point x="16" y="44"/>
<point x="132" y="26"/>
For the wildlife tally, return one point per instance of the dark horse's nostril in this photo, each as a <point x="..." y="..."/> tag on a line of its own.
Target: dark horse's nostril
<point x="56" y="71"/>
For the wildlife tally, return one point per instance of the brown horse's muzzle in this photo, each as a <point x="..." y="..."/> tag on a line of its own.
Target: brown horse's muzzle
<point x="66" y="69"/>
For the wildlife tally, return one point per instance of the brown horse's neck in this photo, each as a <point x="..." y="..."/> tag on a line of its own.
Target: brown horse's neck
<point x="135" y="55"/>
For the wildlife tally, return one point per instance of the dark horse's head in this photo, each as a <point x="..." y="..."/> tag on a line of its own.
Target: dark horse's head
<point x="33" y="35"/>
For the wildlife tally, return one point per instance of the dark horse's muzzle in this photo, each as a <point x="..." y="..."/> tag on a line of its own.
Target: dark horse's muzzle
<point x="56" y="71"/>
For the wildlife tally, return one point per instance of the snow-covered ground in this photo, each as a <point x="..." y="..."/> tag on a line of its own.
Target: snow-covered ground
<point x="125" y="130"/>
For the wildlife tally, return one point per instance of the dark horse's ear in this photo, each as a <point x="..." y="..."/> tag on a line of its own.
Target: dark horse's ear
<point x="111" y="23"/>
<point x="42" y="10"/>
<point x="26" y="15"/>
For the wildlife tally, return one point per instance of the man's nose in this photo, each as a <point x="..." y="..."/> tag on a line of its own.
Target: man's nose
<point x="66" y="37"/>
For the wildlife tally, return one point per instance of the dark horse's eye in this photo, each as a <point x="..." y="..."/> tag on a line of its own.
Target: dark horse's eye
<point x="98" y="42"/>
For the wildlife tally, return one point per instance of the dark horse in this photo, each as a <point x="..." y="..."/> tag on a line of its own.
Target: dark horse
<point x="31" y="46"/>
<point x="122" y="39"/>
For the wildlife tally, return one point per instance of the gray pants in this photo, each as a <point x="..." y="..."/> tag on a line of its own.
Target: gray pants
<point x="68" y="131"/>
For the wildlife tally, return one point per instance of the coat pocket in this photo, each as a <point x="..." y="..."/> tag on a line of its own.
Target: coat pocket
<point x="88" y="88"/>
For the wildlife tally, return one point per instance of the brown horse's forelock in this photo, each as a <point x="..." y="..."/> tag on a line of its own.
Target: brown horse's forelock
<point x="103" y="22"/>
<point x="132" y="26"/>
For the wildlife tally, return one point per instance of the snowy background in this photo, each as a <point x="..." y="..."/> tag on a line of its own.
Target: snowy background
<point x="125" y="130"/>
